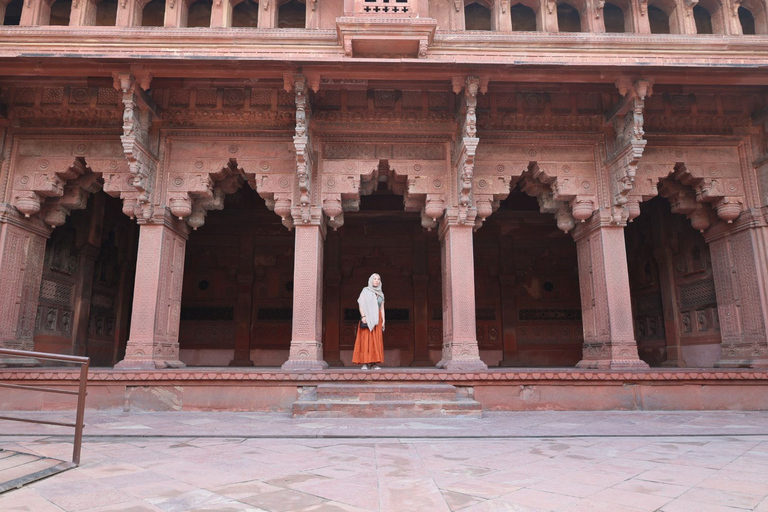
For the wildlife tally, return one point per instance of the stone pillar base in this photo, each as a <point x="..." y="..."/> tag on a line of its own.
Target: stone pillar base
<point x="148" y="364"/>
<point x="472" y="365"/>
<point x="299" y="366"/>
<point x="612" y="364"/>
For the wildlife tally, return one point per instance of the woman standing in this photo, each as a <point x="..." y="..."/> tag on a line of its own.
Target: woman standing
<point x="369" y="344"/>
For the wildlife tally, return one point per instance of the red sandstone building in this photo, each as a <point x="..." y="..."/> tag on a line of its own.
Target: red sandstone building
<point x="570" y="183"/>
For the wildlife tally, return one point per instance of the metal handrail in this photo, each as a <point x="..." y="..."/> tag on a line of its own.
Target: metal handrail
<point x="84" y="363"/>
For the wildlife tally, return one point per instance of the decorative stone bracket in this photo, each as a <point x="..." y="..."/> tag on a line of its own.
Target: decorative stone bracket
<point x="302" y="144"/>
<point x="464" y="154"/>
<point x="629" y="143"/>
<point x="199" y="185"/>
<point x="556" y="198"/>
<point x="55" y="185"/>
<point x="138" y="116"/>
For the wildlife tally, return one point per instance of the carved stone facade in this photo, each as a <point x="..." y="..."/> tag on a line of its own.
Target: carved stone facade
<point x="223" y="200"/>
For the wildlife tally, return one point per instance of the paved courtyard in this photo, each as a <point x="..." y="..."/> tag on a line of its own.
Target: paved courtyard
<point x="565" y="461"/>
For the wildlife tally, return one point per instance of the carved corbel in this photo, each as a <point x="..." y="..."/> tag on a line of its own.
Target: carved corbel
<point x="301" y="143"/>
<point x="504" y="8"/>
<point x="465" y="155"/>
<point x="689" y="5"/>
<point x="627" y="121"/>
<point x="643" y="7"/>
<point x="683" y="200"/>
<point x="735" y="4"/>
<point x="457" y="5"/>
<point x="138" y="114"/>
<point x="551" y="5"/>
<point x="599" y="6"/>
<point x="711" y="190"/>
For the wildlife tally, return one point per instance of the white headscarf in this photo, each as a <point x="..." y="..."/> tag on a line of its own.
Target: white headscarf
<point x="369" y="303"/>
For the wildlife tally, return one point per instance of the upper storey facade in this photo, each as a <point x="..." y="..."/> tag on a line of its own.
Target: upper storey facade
<point x="569" y="33"/>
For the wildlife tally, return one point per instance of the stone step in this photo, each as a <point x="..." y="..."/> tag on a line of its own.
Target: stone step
<point x="387" y="409"/>
<point x="363" y="400"/>
<point x="386" y="392"/>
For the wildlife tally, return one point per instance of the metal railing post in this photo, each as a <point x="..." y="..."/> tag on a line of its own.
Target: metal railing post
<point x="81" y="393"/>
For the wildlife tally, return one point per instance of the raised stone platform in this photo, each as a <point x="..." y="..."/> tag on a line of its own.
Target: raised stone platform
<point x="497" y="389"/>
<point x="386" y="401"/>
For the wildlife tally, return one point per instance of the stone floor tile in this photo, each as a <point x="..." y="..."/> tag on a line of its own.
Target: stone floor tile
<point x="332" y="506"/>
<point x="681" y="505"/>
<point x="244" y="489"/>
<point x="84" y="500"/>
<point x="648" y="487"/>
<point x="480" y="488"/>
<point x="191" y="500"/>
<point x="500" y="506"/>
<point x="726" y="482"/>
<point x="722" y="497"/>
<point x="642" y="501"/>
<point x="402" y="493"/>
<point x="674" y="475"/>
<point x="590" y="505"/>
<point x="458" y="500"/>
<point x="362" y="494"/>
<point x="128" y="506"/>
<point x="563" y="485"/>
<point x="538" y="499"/>
<point x="26" y="500"/>
<point x="283" y="501"/>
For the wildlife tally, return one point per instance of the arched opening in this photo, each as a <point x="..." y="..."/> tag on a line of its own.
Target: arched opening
<point x="13" y="12"/>
<point x="523" y="18"/>
<point x="292" y="14"/>
<point x="381" y="237"/>
<point x="703" y="20"/>
<point x="238" y="285"/>
<point x="199" y="14"/>
<point x="60" y="11"/>
<point x="613" y="15"/>
<point x="477" y="17"/>
<point x="659" y="20"/>
<point x="747" y="21"/>
<point x="246" y="14"/>
<point x="568" y="18"/>
<point x="153" y="14"/>
<point x="526" y="288"/>
<point x="106" y="13"/>
<point x="672" y="286"/>
<point x="87" y="287"/>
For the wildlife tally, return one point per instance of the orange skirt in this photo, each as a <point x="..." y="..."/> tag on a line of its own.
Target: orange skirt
<point x="369" y="345"/>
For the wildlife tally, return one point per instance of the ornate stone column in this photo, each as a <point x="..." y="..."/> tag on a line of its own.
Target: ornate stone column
<point x="306" y="341"/>
<point x="22" y="250"/>
<point x="606" y="308"/>
<point x="154" y="337"/>
<point x="460" y="351"/>
<point x="740" y="267"/>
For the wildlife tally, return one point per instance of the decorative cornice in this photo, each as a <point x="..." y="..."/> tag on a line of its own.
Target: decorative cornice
<point x="501" y="377"/>
<point x="320" y="45"/>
